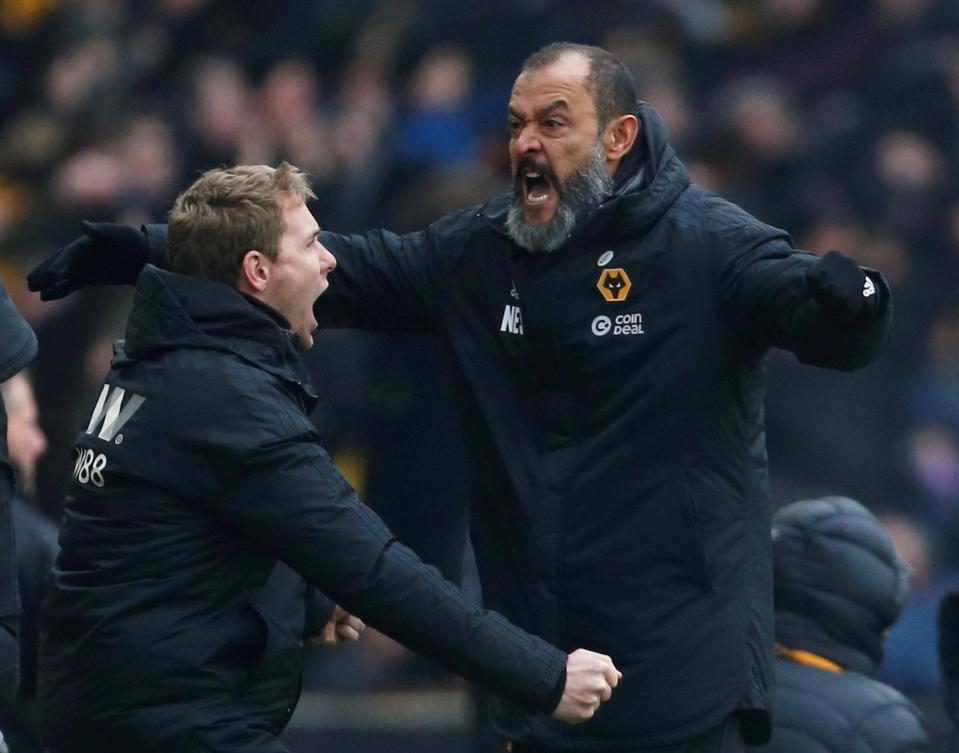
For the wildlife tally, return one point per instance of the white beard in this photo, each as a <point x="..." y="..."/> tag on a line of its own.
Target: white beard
<point x="582" y="192"/>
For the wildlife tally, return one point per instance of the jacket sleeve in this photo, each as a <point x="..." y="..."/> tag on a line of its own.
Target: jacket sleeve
<point x="385" y="281"/>
<point x="766" y="297"/>
<point x="291" y="500"/>
<point x="156" y="239"/>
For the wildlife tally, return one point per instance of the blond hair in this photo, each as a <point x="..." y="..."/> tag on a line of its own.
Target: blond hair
<point x="227" y="212"/>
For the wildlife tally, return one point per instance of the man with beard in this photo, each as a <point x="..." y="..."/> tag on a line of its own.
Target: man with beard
<point x="609" y="323"/>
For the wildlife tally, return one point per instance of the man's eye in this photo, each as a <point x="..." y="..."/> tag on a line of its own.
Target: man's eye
<point x="514" y="125"/>
<point x="550" y="123"/>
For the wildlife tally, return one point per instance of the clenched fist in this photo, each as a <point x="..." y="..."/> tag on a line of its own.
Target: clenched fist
<point x="590" y="679"/>
<point x="342" y="627"/>
<point x="845" y="292"/>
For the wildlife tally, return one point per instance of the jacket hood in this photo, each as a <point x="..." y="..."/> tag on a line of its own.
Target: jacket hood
<point x="648" y="180"/>
<point x="173" y="311"/>
<point x="839" y="583"/>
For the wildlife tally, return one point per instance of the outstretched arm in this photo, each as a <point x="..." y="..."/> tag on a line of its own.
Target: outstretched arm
<point x="383" y="281"/>
<point x="284" y="493"/>
<point x="827" y="310"/>
<point x="315" y="523"/>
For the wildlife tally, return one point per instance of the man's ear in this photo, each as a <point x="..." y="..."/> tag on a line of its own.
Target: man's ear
<point x="254" y="272"/>
<point x="619" y="136"/>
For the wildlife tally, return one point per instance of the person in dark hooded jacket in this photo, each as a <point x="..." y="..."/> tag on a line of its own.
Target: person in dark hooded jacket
<point x="170" y="624"/>
<point x="18" y="346"/>
<point x="36" y="548"/>
<point x="609" y="324"/>
<point x="839" y="585"/>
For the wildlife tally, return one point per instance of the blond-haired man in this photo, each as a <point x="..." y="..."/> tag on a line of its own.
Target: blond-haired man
<point x="199" y="471"/>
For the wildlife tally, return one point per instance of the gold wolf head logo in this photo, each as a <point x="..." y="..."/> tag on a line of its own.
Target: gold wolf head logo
<point x="614" y="284"/>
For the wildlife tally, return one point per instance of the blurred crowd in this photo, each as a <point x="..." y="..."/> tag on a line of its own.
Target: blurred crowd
<point x="836" y="121"/>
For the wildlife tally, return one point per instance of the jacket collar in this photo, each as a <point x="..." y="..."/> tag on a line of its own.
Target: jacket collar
<point x="807" y="658"/>
<point x="173" y="311"/>
<point x="861" y="652"/>
<point x="648" y="180"/>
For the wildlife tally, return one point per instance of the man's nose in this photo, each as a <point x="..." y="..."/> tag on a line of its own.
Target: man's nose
<point x="527" y="140"/>
<point x="327" y="259"/>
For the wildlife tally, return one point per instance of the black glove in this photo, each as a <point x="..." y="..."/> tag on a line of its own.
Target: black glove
<point x="106" y="254"/>
<point x="949" y="652"/>
<point x="846" y="293"/>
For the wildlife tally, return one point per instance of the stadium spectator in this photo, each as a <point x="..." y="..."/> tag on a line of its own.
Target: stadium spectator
<point x="36" y="548"/>
<point x="910" y="662"/>
<point x="839" y="585"/>
<point x="18" y="346"/>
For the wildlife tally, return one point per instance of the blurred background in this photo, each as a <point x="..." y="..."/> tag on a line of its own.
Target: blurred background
<point x="837" y="121"/>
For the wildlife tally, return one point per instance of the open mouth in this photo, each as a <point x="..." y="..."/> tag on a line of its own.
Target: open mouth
<point x="537" y="187"/>
<point x="536" y="184"/>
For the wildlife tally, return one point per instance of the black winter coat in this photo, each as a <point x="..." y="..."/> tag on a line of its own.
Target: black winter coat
<point x="198" y="471"/>
<point x="613" y="398"/>
<point x="839" y="585"/>
<point x="820" y="711"/>
<point x="36" y="552"/>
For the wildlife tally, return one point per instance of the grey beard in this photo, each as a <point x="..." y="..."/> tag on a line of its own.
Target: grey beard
<point x="582" y="192"/>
